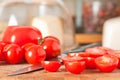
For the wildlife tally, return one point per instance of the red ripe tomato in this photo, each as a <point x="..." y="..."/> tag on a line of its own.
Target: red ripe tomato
<point x="35" y="54"/>
<point x="90" y="63"/>
<point x="13" y="53"/>
<point x="72" y="58"/>
<point x="26" y="46"/>
<point x="2" y="45"/>
<point x="95" y="52"/>
<point x="51" y="66"/>
<point x="106" y="63"/>
<point x="75" y="67"/>
<point x="52" y="47"/>
<point x="81" y="54"/>
<point x="21" y="35"/>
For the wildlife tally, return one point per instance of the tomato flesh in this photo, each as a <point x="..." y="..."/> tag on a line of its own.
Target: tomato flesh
<point x="106" y="63"/>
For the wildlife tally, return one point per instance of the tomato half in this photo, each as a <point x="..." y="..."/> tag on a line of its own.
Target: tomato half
<point x="95" y="52"/>
<point x="51" y="66"/>
<point x="81" y="54"/>
<point x="75" y="67"/>
<point x="90" y="62"/>
<point x="106" y="63"/>
<point x="72" y="58"/>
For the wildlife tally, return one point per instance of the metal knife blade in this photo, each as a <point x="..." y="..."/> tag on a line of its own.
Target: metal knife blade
<point x="39" y="67"/>
<point x="26" y="70"/>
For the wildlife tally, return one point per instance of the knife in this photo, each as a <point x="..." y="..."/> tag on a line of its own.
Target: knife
<point x="33" y="68"/>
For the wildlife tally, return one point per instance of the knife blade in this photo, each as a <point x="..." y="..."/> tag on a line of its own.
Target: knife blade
<point x="33" y="68"/>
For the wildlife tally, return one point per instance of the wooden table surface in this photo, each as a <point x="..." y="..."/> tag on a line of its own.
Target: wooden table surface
<point x="62" y="74"/>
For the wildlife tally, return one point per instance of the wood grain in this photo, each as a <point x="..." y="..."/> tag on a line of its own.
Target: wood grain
<point x="62" y="74"/>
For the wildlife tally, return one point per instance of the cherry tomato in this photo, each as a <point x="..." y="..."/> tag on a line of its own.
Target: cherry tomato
<point x="51" y="66"/>
<point x="72" y="58"/>
<point x="81" y="54"/>
<point x="75" y="67"/>
<point x="90" y="63"/>
<point x="26" y="46"/>
<point x="52" y="47"/>
<point x="21" y="35"/>
<point x="2" y="45"/>
<point x="35" y="54"/>
<point x="13" y="53"/>
<point x="106" y="63"/>
<point x="95" y="52"/>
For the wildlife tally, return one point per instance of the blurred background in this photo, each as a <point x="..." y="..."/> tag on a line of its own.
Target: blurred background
<point x="79" y="21"/>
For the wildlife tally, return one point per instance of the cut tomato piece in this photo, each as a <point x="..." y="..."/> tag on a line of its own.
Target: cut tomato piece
<point x="81" y="54"/>
<point x="75" y="67"/>
<point x="90" y="63"/>
<point x="106" y="63"/>
<point x="95" y="52"/>
<point x="72" y="58"/>
<point x="51" y="66"/>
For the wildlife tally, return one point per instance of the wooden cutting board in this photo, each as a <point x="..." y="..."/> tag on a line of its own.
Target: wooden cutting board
<point x="62" y="74"/>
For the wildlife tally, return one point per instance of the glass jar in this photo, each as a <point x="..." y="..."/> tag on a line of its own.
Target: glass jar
<point x="96" y="12"/>
<point x="51" y="17"/>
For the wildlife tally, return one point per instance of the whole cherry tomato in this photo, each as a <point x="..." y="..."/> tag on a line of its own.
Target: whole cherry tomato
<point x="21" y="35"/>
<point x="35" y="54"/>
<point x="51" y="66"/>
<point x="26" y="46"/>
<point x="2" y="45"/>
<point x="13" y="53"/>
<point x="52" y="46"/>
<point x="75" y="67"/>
<point x="106" y="63"/>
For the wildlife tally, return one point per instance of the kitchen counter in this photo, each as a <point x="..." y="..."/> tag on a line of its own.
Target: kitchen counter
<point x="62" y="74"/>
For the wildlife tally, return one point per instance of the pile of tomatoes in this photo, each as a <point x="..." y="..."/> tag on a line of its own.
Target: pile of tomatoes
<point x="25" y="44"/>
<point x="101" y="58"/>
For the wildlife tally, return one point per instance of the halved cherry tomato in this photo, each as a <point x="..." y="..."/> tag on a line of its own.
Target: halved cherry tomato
<point x="51" y="66"/>
<point x="35" y="54"/>
<point x="106" y="63"/>
<point x="95" y="52"/>
<point x="75" y="67"/>
<point x="72" y="58"/>
<point x="13" y="53"/>
<point x="90" y="62"/>
<point x="115" y="53"/>
<point x="81" y="54"/>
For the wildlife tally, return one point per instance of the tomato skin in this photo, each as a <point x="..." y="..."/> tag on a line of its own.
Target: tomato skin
<point x="52" y="47"/>
<point x="90" y="63"/>
<point x="106" y="63"/>
<point x="51" y="66"/>
<point x="75" y="67"/>
<point x="21" y="35"/>
<point x="13" y="53"/>
<point x="35" y="54"/>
